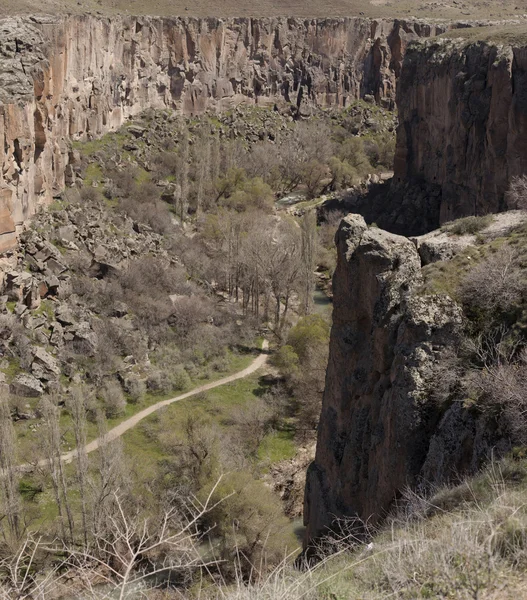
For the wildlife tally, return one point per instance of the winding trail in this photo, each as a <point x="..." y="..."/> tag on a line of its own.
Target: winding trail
<point x="123" y="427"/>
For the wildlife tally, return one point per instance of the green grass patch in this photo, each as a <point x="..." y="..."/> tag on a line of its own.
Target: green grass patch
<point x="277" y="446"/>
<point x="12" y="369"/>
<point x="142" y="176"/>
<point x="93" y="174"/>
<point x="45" y="308"/>
<point x="217" y="404"/>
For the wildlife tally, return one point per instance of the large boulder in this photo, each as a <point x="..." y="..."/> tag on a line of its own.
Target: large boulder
<point x="27" y="386"/>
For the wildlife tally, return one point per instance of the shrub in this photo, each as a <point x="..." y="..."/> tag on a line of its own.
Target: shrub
<point x="309" y="333"/>
<point x="247" y="520"/>
<point x="250" y="194"/>
<point x="504" y="389"/>
<point x="516" y="197"/>
<point x="136" y="389"/>
<point x="467" y="225"/>
<point x="286" y="360"/>
<point x="159" y="382"/>
<point x="113" y="399"/>
<point x="180" y="379"/>
<point x="89" y="194"/>
<point x="343" y="174"/>
<point x="495" y="284"/>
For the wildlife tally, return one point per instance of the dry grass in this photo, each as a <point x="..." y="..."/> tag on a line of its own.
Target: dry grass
<point x="440" y="9"/>
<point x="467" y="542"/>
<point x="514" y="35"/>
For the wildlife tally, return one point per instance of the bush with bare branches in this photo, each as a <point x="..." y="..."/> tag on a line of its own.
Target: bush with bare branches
<point x="516" y="196"/>
<point x="495" y="284"/>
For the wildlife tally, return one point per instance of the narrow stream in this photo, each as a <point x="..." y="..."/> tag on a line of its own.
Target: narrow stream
<point x="322" y="304"/>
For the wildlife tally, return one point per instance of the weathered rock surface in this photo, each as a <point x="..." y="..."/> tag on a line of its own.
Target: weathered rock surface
<point x="380" y="429"/>
<point x="26" y="385"/>
<point x="463" y="130"/>
<point x="78" y="77"/>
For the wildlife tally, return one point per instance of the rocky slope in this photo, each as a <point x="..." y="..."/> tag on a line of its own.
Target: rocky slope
<point x="76" y="77"/>
<point x="463" y="126"/>
<point x="381" y="429"/>
<point x="43" y="318"/>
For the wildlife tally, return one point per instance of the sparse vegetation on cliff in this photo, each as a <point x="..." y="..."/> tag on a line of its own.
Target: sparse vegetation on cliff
<point x="489" y="279"/>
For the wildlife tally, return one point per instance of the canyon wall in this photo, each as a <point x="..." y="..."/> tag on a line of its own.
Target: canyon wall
<point x="73" y="78"/>
<point x="462" y="130"/>
<point x="381" y="428"/>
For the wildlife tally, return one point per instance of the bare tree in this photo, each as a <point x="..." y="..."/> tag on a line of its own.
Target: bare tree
<point x="182" y="176"/>
<point x="8" y="473"/>
<point x="308" y="227"/>
<point x="134" y="550"/>
<point x="50" y="415"/>
<point x="195" y="450"/>
<point x="215" y="158"/>
<point x="76" y="404"/>
<point x="111" y="476"/>
<point x="129" y="556"/>
<point x="516" y="196"/>
<point x="283" y="262"/>
<point x="22" y="575"/>
<point x="202" y="159"/>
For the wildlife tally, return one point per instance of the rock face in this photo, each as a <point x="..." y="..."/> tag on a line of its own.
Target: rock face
<point x="463" y="128"/>
<point x="379" y="429"/>
<point x="78" y="77"/>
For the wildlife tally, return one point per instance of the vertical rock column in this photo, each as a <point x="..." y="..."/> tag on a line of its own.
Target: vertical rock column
<point x="377" y="420"/>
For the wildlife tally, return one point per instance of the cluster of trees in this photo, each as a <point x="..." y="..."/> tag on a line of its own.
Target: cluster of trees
<point x="302" y="360"/>
<point x="208" y="171"/>
<point x="159" y="323"/>
<point x="264" y="262"/>
<point x="203" y="512"/>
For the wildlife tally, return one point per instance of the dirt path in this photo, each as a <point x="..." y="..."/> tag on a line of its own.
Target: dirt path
<point x="123" y="427"/>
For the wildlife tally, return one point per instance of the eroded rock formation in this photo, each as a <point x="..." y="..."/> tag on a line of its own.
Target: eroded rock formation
<point x="71" y="78"/>
<point x="380" y="428"/>
<point x="463" y="127"/>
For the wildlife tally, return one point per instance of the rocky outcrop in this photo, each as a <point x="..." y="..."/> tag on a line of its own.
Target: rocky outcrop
<point x="463" y="130"/>
<point x="46" y="314"/>
<point x="380" y="428"/>
<point x="77" y="77"/>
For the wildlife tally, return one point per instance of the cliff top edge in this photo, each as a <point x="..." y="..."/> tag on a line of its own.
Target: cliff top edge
<point x="446" y="9"/>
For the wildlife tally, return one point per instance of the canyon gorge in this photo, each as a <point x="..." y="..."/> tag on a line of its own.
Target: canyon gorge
<point x="170" y="189"/>
<point x="78" y="77"/>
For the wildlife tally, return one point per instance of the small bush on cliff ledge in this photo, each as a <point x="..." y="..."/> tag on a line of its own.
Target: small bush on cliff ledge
<point x="468" y="225"/>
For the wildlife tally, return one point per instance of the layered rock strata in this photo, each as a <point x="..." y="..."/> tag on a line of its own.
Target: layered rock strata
<point x="463" y="128"/>
<point x="381" y="429"/>
<point x="72" y="78"/>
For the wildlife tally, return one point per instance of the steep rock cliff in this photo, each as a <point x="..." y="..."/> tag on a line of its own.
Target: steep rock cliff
<point x="75" y="77"/>
<point x="463" y="129"/>
<point x="380" y="428"/>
